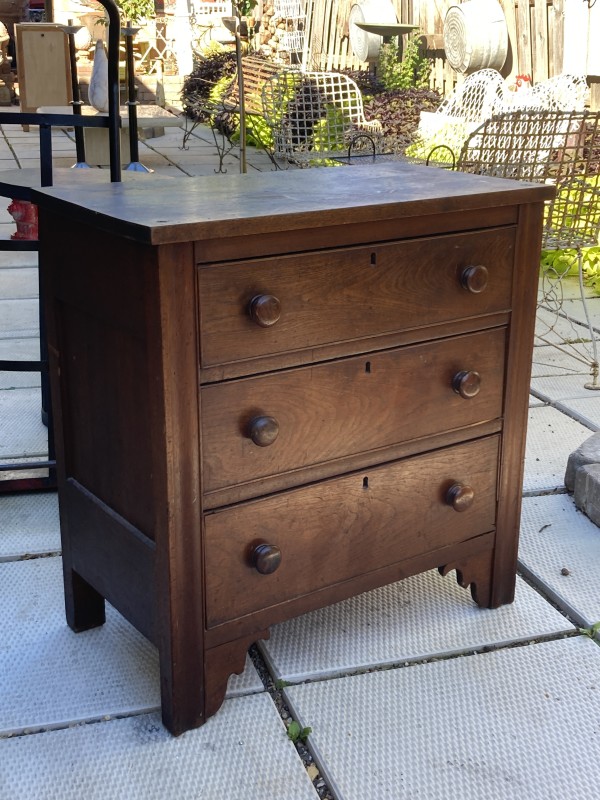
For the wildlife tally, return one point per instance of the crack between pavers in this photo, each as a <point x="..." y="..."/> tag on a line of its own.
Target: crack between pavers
<point x="33" y="730"/>
<point x="274" y="689"/>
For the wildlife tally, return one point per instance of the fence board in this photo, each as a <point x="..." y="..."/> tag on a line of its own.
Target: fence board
<point x="509" y="70"/>
<point x="539" y="40"/>
<point x="542" y="44"/>
<point x="556" y="38"/>
<point x="524" y="38"/>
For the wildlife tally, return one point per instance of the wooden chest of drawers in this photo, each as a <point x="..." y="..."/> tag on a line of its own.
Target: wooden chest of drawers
<point x="273" y="392"/>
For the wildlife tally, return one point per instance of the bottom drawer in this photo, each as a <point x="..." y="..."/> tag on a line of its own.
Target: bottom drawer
<point x="344" y="527"/>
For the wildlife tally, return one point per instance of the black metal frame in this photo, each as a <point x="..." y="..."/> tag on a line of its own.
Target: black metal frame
<point x="46" y="122"/>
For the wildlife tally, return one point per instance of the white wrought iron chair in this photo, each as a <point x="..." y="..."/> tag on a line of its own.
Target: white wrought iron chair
<point x="561" y="148"/>
<point x="564" y="92"/>
<point x="316" y="116"/>
<point x="477" y="98"/>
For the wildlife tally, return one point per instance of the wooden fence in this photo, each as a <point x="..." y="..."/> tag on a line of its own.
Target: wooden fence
<point x="546" y="37"/>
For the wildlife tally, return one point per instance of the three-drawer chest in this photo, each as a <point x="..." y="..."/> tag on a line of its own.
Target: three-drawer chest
<point x="273" y="392"/>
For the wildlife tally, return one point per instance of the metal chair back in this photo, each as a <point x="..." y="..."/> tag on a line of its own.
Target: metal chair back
<point x="557" y="147"/>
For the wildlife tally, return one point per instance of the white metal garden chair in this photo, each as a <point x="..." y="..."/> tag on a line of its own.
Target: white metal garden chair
<point x="316" y="115"/>
<point x="561" y="148"/>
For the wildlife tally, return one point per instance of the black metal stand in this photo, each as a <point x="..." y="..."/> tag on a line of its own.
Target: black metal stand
<point x="77" y="102"/>
<point x="134" y="165"/>
<point x="29" y="481"/>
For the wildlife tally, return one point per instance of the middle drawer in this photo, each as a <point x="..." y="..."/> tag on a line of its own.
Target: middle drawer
<point x="266" y="425"/>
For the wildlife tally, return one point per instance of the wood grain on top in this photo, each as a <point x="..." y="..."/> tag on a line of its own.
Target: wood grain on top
<point x="268" y="202"/>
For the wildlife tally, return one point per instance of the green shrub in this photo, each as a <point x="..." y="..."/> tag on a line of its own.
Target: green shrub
<point x="399" y="112"/>
<point x="412" y="71"/>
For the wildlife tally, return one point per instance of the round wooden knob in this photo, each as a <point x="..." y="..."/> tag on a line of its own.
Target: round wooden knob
<point x="467" y="383"/>
<point x="474" y="279"/>
<point x="264" y="309"/>
<point x="263" y="430"/>
<point x="266" y="558"/>
<point x="460" y="497"/>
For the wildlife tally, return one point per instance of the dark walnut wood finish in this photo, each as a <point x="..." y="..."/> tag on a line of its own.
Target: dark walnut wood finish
<point x="276" y="391"/>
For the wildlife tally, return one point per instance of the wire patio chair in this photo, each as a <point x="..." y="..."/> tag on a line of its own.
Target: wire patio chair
<point x="316" y="116"/>
<point x="561" y="148"/>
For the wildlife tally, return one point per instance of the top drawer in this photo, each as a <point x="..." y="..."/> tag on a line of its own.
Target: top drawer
<point x="347" y="294"/>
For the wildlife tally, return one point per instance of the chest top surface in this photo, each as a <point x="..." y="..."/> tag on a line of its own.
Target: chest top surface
<point x="236" y="205"/>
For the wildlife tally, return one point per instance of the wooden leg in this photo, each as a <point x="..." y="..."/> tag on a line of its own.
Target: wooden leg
<point x="477" y="572"/>
<point x="221" y="663"/>
<point x="193" y="687"/>
<point x="83" y="604"/>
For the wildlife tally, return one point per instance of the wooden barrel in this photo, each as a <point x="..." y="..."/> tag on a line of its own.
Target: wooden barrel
<point x="476" y="36"/>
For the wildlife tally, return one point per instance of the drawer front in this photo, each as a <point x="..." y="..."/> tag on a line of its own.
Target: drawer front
<point x="345" y="527"/>
<point x="290" y="303"/>
<point x="266" y="425"/>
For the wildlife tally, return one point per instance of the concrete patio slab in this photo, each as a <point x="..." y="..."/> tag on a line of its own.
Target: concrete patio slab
<point x="556" y="536"/>
<point x="242" y="753"/>
<point x="586" y="410"/>
<point x="575" y="310"/>
<point x="7" y="229"/>
<point x="5" y="215"/>
<point x="548" y="360"/>
<point x="29" y="525"/>
<point x="53" y="677"/>
<point x="19" y="350"/>
<point x="551" y="437"/>
<point x="563" y="387"/>
<point x="425" y="616"/>
<point x="19" y="283"/>
<point x="19" y="317"/>
<point x="507" y="725"/>
<point x="9" y="259"/>
<point x="554" y="328"/>
<point x="569" y="288"/>
<point x="22" y="432"/>
<point x="534" y="402"/>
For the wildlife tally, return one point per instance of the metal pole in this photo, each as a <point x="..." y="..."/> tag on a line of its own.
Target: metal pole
<point x="114" y="119"/>
<point x="77" y="102"/>
<point x="134" y="165"/>
<point x="238" y="52"/>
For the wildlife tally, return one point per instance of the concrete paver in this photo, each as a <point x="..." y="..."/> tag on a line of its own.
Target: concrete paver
<point x="556" y="537"/>
<point x="19" y="350"/>
<point x="551" y="436"/>
<point x="19" y="317"/>
<point x="54" y="677"/>
<point x="242" y="753"/>
<point x="22" y="432"/>
<point x="507" y="725"/>
<point x="549" y="361"/>
<point x="19" y="283"/>
<point x="422" y="617"/>
<point x="29" y="525"/>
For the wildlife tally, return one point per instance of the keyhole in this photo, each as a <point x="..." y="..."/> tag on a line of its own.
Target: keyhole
<point x="365" y="483"/>
<point x="373" y="259"/>
<point x="368" y="367"/>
